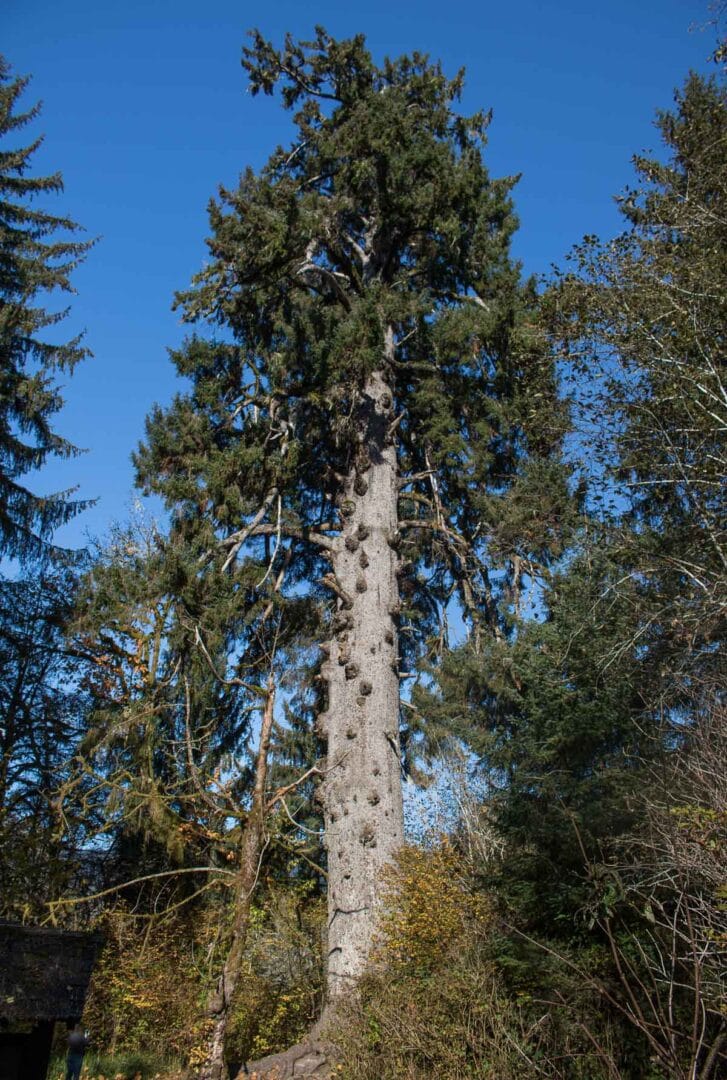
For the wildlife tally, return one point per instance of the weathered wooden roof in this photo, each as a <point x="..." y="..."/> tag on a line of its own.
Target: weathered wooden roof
<point x="44" y="973"/>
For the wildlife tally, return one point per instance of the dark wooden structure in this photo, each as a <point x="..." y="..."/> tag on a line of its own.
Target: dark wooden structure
<point x="44" y="976"/>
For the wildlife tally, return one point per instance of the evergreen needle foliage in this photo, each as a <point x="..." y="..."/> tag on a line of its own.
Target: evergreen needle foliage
<point x="37" y="257"/>
<point x="372" y="443"/>
<point x="372" y="426"/>
<point x="380" y="217"/>
<point x="642" y="319"/>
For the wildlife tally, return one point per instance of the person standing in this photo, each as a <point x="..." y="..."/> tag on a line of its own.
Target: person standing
<point x="77" y="1043"/>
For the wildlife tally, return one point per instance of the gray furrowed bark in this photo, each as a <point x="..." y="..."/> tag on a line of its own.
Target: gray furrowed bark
<point x="362" y="794"/>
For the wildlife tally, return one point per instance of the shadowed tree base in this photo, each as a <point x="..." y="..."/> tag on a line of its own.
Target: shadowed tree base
<point x="314" y="1058"/>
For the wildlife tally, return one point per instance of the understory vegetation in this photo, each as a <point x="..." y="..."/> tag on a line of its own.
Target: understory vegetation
<point x="206" y="723"/>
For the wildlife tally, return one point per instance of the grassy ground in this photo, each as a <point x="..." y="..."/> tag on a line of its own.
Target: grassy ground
<point x="119" y="1067"/>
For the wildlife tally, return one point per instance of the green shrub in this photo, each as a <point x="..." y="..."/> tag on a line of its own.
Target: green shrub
<point x="280" y="992"/>
<point x="435" y="1003"/>
<point x="146" y="987"/>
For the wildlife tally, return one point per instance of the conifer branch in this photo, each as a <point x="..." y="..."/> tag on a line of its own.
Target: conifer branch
<point x="296" y="532"/>
<point x="278" y="585"/>
<point x="304" y="85"/>
<point x="297" y="824"/>
<point x="331" y="276"/>
<point x="469" y="298"/>
<point x="275" y="549"/>
<point x="251" y="688"/>
<point x="71" y="901"/>
<point x="280" y="794"/>
<point x="415" y="365"/>
<point x="238" y="539"/>
<point x="334" y="584"/>
<point x="434" y="526"/>
<point x="416" y="497"/>
<point x="193" y="770"/>
<point x="394" y="425"/>
<point x="404" y="481"/>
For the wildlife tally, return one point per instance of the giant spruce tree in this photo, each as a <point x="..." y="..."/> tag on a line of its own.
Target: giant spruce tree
<point x="369" y="418"/>
<point x="38" y="253"/>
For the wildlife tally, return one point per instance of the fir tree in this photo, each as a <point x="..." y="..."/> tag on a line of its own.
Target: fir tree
<point x="42" y="710"/>
<point x="643" y="321"/>
<point x="372" y="425"/>
<point x="595" y="725"/>
<point x="35" y="260"/>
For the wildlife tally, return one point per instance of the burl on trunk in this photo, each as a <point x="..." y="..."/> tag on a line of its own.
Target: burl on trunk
<point x="362" y="791"/>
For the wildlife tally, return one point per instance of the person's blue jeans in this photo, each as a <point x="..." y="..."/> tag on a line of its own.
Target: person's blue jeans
<point x="74" y="1064"/>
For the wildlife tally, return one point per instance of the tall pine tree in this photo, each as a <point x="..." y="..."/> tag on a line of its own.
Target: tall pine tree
<point x="37" y="257"/>
<point x="373" y="421"/>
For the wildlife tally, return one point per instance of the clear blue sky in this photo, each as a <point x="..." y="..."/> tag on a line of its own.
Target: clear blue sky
<point x="146" y="112"/>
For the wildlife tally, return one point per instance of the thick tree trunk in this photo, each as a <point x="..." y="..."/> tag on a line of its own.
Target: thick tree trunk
<point x="362" y="795"/>
<point x="251" y="845"/>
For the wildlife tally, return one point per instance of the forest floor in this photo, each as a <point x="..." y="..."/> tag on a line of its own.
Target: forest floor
<point x="102" y="1071"/>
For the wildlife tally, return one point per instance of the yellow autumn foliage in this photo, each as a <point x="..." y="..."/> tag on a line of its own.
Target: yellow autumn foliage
<point x="146" y="987"/>
<point x="429" y="908"/>
<point x="430" y="1005"/>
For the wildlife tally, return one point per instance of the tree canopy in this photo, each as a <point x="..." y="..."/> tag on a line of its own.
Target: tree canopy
<point x="420" y="512"/>
<point x="373" y="421"/>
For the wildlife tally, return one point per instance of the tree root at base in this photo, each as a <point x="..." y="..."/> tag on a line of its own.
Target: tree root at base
<point x="314" y="1058"/>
